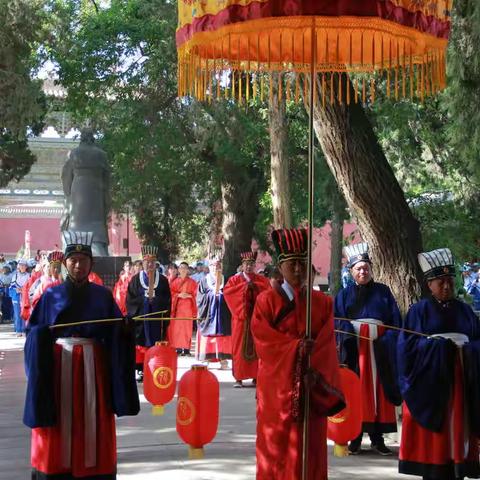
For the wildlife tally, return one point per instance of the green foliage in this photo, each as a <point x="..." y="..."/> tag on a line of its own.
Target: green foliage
<point x="326" y="191"/>
<point x="435" y="174"/>
<point x="22" y="104"/>
<point x="118" y="64"/>
<point x="464" y="85"/>
<point x="452" y="224"/>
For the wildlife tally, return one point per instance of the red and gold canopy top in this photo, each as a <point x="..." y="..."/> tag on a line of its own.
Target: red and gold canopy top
<point x="403" y="39"/>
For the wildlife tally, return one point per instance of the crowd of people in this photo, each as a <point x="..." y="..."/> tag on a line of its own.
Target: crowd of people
<point x="427" y="362"/>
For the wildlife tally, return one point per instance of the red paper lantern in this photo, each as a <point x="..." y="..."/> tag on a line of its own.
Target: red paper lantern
<point x="159" y="375"/>
<point x="347" y="424"/>
<point x="197" y="409"/>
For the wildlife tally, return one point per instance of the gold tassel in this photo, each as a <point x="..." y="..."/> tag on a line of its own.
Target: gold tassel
<point x="404" y="80"/>
<point x="350" y="53"/>
<point x="287" y="90"/>
<point x="254" y="81"/>
<point x="247" y="88"/>
<point x="292" y="53"/>
<point x="233" y="85"/>
<point x="323" y="89"/>
<point x="347" y="87"/>
<point x="340" y="79"/>
<point x="356" y="91"/>
<point x="280" y="93"/>
<point x="381" y="55"/>
<point x="372" y="90"/>
<point x="411" y="74"/>
<point x="305" y="87"/>
<point x="364" y="93"/>
<point x="158" y="410"/>
<point x="297" y="86"/>
<point x="373" y="52"/>
<point x="397" y="85"/>
<point x="240" y="96"/>
<point x="361" y="50"/>
<point x="270" y="86"/>
<point x="262" y="87"/>
<point x="195" y="453"/>
<point x="326" y="49"/>
<point x="388" y="83"/>
<point x="340" y="450"/>
<point x="332" y="89"/>
<point x="303" y="50"/>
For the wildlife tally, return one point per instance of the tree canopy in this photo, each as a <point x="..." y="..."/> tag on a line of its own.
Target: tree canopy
<point x="22" y="104"/>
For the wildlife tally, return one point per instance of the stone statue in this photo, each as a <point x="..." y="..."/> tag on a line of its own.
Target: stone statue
<point x="86" y="185"/>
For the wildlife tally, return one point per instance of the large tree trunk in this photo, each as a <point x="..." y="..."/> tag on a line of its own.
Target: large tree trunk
<point x="372" y="192"/>
<point x="215" y="237"/>
<point x="279" y="179"/>
<point x="240" y="188"/>
<point x="336" y="241"/>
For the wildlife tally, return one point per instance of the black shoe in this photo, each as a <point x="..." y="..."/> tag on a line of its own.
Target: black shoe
<point x="139" y="377"/>
<point x="354" y="448"/>
<point x="238" y="384"/>
<point x="381" y="449"/>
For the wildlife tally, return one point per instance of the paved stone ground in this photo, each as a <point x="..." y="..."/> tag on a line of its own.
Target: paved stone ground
<point x="149" y="448"/>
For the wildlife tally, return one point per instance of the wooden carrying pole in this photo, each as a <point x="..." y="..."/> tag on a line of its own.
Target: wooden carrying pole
<point x="311" y="191"/>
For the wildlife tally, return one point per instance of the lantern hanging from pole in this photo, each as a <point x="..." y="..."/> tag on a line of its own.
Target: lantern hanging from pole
<point x="346" y="424"/>
<point x="228" y="48"/>
<point x="197" y="409"/>
<point x="159" y="376"/>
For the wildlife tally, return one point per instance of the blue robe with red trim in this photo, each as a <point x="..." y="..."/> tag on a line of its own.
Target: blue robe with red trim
<point x="427" y="379"/>
<point x="374" y="301"/>
<point x="66" y="304"/>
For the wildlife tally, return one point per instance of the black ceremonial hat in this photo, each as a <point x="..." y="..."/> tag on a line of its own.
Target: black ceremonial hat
<point x="437" y="263"/>
<point x="290" y="243"/>
<point x="78" y="242"/>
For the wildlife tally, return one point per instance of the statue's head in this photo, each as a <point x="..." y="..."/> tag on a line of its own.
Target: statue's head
<point x="86" y="135"/>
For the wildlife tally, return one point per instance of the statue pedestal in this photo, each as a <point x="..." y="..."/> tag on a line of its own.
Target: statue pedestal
<point x="108" y="269"/>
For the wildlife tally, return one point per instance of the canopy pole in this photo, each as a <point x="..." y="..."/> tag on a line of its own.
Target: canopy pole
<point x="311" y="191"/>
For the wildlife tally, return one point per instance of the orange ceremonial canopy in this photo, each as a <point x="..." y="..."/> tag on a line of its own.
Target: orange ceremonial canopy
<point x="226" y="46"/>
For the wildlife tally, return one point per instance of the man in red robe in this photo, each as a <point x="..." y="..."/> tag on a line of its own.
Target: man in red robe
<point x="26" y="306"/>
<point x="240" y="293"/>
<point x="184" y="305"/>
<point x="278" y="327"/>
<point x="53" y="277"/>
<point x="121" y="287"/>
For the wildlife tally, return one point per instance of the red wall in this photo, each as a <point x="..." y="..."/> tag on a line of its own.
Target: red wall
<point x="45" y="234"/>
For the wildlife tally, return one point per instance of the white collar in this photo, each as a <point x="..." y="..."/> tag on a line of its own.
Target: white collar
<point x="143" y="277"/>
<point x="287" y="288"/>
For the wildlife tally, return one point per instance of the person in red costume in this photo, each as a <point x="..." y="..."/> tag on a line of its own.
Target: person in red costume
<point x="184" y="305"/>
<point x="94" y="278"/>
<point x="278" y="327"/>
<point x="240" y="293"/>
<point x="53" y="278"/>
<point x="121" y="287"/>
<point x="29" y="288"/>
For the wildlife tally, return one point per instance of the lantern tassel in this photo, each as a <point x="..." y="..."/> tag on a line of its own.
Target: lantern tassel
<point x="158" y="410"/>
<point x="340" y="450"/>
<point x="195" y="453"/>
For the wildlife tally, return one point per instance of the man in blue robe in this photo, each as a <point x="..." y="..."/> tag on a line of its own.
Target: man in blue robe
<point x="360" y="311"/>
<point x="148" y="293"/>
<point x="439" y="372"/>
<point x="79" y="376"/>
